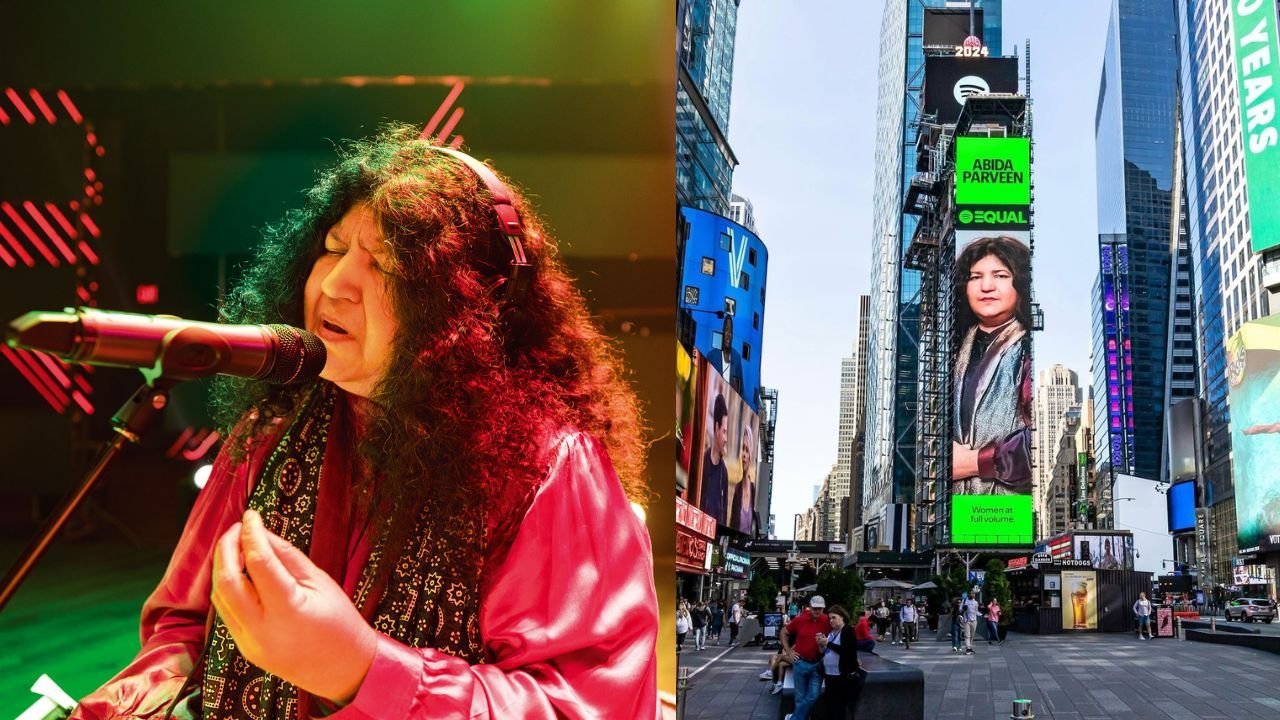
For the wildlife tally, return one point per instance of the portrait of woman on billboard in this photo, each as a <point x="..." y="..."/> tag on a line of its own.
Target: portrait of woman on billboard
<point x="744" y="493"/>
<point x="991" y="419"/>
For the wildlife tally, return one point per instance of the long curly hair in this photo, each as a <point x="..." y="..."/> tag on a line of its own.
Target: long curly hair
<point x="471" y="385"/>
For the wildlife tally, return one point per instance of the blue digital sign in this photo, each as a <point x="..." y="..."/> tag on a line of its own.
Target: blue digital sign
<point x="1182" y="506"/>
<point x="723" y="289"/>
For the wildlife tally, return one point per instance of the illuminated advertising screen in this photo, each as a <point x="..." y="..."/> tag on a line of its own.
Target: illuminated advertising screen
<point x="1104" y="552"/>
<point x="948" y="81"/>
<point x="1256" y="53"/>
<point x="687" y="444"/>
<point x="728" y="463"/>
<point x="1182" y="506"/>
<point x="993" y="183"/>
<point x="1253" y="387"/>
<point x="723" y="289"/>
<point x="991" y="385"/>
<point x="950" y="26"/>
<point x="1079" y="600"/>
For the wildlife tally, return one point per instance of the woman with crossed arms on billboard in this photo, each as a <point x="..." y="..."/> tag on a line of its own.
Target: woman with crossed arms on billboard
<point x="991" y="436"/>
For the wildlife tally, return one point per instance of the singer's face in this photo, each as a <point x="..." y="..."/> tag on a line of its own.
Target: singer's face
<point x="348" y="306"/>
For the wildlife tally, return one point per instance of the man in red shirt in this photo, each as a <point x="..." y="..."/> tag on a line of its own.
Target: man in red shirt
<point x="800" y="645"/>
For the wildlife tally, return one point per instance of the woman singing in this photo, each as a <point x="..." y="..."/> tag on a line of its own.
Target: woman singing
<point x="440" y="526"/>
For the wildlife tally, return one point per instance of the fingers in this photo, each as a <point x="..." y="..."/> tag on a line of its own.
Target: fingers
<point x="274" y="583"/>
<point x="234" y="594"/>
<point x="295" y="562"/>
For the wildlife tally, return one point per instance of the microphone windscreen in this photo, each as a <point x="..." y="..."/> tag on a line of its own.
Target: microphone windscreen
<point x="300" y="358"/>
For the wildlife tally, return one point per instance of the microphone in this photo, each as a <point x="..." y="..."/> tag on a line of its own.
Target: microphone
<point x="168" y="346"/>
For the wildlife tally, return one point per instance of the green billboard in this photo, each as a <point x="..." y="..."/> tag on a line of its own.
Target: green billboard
<point x="993" y="171"/>
<point x="991" y="520"/>
<point x="1253" y="24"/>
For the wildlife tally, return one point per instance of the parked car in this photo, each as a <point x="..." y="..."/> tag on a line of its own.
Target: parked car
<point x="1250" y="609"/>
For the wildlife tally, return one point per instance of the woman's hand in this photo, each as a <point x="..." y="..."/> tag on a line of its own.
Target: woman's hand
<point x="822" y="640"/>
<point x="964" y="461"/>
<point x="287" y="615"/>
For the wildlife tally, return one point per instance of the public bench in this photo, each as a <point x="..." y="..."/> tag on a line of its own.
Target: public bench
<point x="891" y="690"/>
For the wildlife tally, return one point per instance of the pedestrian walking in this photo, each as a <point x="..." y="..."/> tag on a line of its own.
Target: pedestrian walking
<point x="682" y="624"/>
<point x="895" y="621"/>
<point x="842" y="674"/>
<point x="800" y="640"/>
<point x="717" y="622"/>
<point x="699" y="618"/>
<point x="882" y="620"/>
<point x="993" y="622"/>
<point x="908" y="620"/>
<point x="969" y="613"/>
<point x="957" y="624"/>
<point x="1142" y="616"/>
<point x="735" y="618"/>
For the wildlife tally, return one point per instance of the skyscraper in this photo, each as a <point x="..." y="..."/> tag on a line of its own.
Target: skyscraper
<point x="1228" y="289"/>
<point x="1134" y="134"/>
<point x="705" y="31"/>
<point x="743" y="212"/>
<point x="892" y="362"/>
<point x="1057" y="391"/>
<point x="853" y="517"/>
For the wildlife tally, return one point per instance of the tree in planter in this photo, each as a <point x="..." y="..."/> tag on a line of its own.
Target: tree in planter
<point x="761" y="592"/>
<point x="841" y="587"/>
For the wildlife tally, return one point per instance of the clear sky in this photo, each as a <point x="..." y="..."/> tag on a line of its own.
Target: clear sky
<point x="803" y="126"/>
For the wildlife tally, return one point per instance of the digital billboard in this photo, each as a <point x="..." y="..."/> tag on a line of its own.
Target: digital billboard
<point x="723" y="289"/>
<point x="1105" y="552"/>
<point x="1182" y="506"/>
<point x="1253" y="382"/>
<point x="991" y="411"/>
<point x="949" y="80"/>
<point x="950" y="26"/>
<point x="1256" y="53"/>
<point x="728" y="462"/>
<point x="1079" y="600"/>
<point x="686" y="413"/>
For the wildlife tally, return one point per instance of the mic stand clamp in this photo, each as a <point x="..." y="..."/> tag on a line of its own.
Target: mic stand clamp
<point x="131" y="423"/>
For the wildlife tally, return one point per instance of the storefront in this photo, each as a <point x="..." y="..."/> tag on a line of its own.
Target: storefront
<point x="695" y="537"/>
<point x="1067" y="595"/>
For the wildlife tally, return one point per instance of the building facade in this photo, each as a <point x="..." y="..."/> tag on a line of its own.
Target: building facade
<point x="1057" y="391"/>
<point x="1227" y="276"/>
<point x="705" y="36"/>
<point x="1134" y="134"/>
<point x="892" y="362"/>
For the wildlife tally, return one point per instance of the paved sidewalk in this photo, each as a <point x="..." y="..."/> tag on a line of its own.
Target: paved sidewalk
<point x="1067" y="677"/>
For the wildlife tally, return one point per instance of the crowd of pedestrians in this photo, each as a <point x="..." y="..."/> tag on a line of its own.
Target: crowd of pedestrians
<point x="706" y="623"/>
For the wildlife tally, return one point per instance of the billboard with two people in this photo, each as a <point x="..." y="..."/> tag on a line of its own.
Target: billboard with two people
<point x="728" y="459"/>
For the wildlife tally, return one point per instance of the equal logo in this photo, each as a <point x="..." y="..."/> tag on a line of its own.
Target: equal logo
<point x="993" y="217"/>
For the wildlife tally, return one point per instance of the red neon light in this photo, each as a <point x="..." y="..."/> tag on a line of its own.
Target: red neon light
<point x="48" y="381"/>
<point x="87" y="221"/>
<point x="177" y="445"/>
<point x="84" y="384"/>
<point x="457" y="142"/>
<point x="88" y="252"/>
<point x="17" y="247"/>
<point x="44" y="109"/>
<point x="61" y="219"/>
<point x="89" y="191"/>
<point x="89" y="174"/>
<point x="31" y="234"/>
<point x="83" y="294"/>
<point x="92" y="137"/>
<point x="31" y="379"/>
<point x="7" y="258"/>
<point x="198" y="452"/>
<point x="147" y="294"/>
<point x="55" y="368"/>
<point x="449" y="126"/>
<point x="34" y="212"/>
<point x="444" y="108"/>
<point x="100" y="151"/>
<point x="22" y="107"/>
<point x="70" y="106"/>
<point x="4" y="117"/>
<point x="82" y="401"/>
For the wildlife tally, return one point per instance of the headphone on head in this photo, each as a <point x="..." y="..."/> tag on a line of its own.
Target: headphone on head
<point x="512" y="286"/>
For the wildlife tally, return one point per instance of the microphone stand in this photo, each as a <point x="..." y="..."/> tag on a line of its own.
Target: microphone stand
<point x="130" y="423"/>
